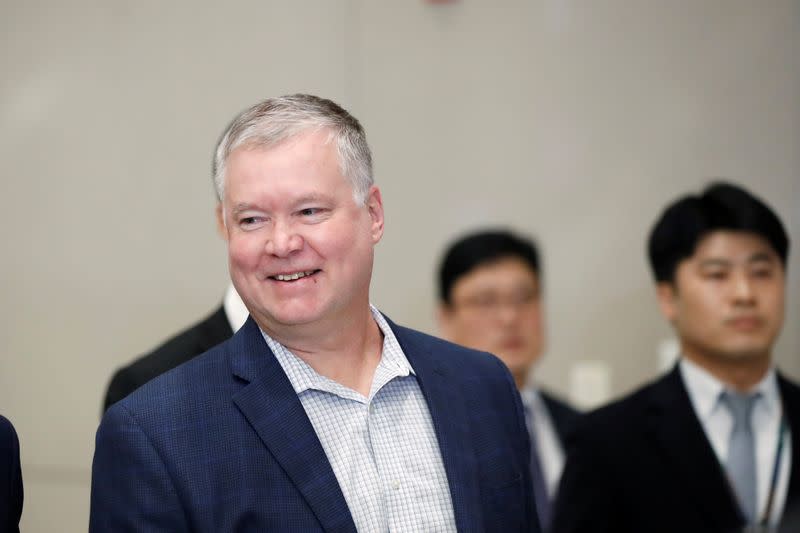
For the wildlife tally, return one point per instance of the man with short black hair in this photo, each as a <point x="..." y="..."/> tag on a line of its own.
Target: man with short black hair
<point x="711" y="446"/>
<point x="490" y="299"/>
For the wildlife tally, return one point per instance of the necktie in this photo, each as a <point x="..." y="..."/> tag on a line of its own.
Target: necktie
<point x="537" y="475"/>
<point x="741" y="463"/>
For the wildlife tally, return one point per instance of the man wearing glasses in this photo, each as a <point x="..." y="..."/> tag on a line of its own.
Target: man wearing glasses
<point x="490" y="299"/>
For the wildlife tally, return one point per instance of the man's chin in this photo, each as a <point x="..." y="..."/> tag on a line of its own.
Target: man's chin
<point x="289" y="317"/>
<point x="747" y="353"/>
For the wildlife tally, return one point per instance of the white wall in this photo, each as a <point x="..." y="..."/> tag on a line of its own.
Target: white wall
<point x="574" y="121"/>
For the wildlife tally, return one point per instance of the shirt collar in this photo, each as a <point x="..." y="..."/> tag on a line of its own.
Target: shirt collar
<point x="303" y="377"/>
<point x="235" y="311"/>
<point x="705" y="389"/>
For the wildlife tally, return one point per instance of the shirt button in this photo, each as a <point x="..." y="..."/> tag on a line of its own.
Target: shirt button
<point x="372" y="408"/>
<point x="395" y="485"/>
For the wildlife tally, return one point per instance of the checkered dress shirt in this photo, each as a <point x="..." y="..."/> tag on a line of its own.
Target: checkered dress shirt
<point x="382" y="448"/>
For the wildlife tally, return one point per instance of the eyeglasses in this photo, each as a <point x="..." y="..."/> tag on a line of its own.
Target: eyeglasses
<point x="489" y="303"/>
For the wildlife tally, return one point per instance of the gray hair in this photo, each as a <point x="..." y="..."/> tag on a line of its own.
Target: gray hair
<point x="275" y="120"/>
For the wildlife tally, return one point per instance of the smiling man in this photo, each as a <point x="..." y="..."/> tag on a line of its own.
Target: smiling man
<point x="711" y="446"/>
<point x="319" y="414"/>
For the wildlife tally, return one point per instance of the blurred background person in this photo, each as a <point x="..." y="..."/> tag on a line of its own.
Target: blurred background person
<point x="711" y="446"/>
<point x="490" y="299"/>
<point x="223" y="322"/>
<point x="10" y="478"/>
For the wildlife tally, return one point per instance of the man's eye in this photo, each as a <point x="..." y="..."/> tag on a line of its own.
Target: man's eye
<point x="763" y="273"/>
<point x="310" y="211"/>
<point x="715" y="274"/>
<point x="249" y="221"/>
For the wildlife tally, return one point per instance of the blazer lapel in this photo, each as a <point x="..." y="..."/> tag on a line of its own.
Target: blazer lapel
<point x="451" y="423"/>
<point x="273" y="409"/>
<point x="683" y="442"/>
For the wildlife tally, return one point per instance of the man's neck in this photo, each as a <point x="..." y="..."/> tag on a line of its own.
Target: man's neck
<point x="346" y="350"/>
<point x="740" y="374"/>
<point x="520" y="379"/>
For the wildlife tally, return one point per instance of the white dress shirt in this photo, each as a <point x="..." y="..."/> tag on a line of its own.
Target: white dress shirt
<point x="235" y="311"/>
<point x="704" y="391"/>
<point x="382" y="448"/>
<point x="548" y="444"/>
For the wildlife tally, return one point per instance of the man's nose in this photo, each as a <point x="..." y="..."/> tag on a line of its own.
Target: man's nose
<point x="743" y="289"/>
<point x="283" y="241"/>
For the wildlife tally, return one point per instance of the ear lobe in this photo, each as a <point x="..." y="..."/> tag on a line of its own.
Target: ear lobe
<point x="665" y="292"/>
<point x="375" y="209"/>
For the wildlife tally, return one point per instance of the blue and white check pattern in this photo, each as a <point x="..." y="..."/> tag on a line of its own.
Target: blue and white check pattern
<point x="382" y="448"/>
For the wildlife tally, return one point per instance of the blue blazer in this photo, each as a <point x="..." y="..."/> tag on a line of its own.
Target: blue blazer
<point x="222" y="443"/>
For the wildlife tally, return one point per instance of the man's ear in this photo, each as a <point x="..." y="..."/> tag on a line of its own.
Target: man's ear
<point x="220" y="213"/>
<point x="444" y="318"/>
<point x="375" y="208"/>
<point x="667" y="299"/>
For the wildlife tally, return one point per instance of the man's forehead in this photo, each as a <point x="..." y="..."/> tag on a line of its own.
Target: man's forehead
<point x="733" y="246"/>
<point x="506" y="272"/>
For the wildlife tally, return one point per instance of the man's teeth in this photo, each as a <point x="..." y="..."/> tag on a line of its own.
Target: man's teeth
<point x="292" y="277"/>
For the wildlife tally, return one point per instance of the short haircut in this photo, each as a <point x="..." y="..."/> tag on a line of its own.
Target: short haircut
<point x="275" y="120"/>
<point x="478" y="249"/>
<point x="720" y="207"/>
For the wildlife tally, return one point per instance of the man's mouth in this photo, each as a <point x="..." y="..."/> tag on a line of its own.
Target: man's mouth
<point x="293" y="276"/>
<point x="745" y="322"/>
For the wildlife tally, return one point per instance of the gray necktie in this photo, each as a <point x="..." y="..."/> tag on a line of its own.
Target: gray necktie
<point x="741" y="464"/>
<point x="541" y="498"/>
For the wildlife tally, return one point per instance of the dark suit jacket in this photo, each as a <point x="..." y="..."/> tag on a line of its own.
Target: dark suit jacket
<point x="644" y="464"/>
<point x="10" y="478"/>
<point x="177" y="350"/>
<point x="564" y="416"/>
<point x="222" y="443"/>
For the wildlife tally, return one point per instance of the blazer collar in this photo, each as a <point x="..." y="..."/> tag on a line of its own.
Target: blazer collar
<point x="450" y="422"/>
<point x="270" y="404"/>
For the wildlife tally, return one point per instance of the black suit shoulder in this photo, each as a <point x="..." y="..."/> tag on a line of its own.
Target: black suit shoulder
<point x="11" y="493"/>
<point x="180" y="348"/>
<point x="790" y="396"/>
<point x="644" y="463"/>
<point x="564" y="416"/>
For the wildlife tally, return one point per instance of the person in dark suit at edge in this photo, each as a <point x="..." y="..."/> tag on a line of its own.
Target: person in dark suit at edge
<point x="320" y="413"/>
<point x="11" y="493"/>
<point x="712" y="445"/>
<point x="200" y="337"/>
<point x="218" y="326"/>
<point x="490" y="298"/>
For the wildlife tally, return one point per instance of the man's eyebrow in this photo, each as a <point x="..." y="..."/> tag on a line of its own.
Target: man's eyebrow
<point x="714" y="262"/>
<point x="761" y="257"/>
<point x="240" y="207"/>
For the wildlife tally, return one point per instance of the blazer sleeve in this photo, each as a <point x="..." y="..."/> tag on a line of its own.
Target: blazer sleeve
<point x="132" y="489"/>
<point x="585" y="501"/>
